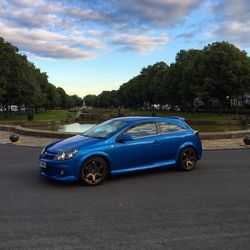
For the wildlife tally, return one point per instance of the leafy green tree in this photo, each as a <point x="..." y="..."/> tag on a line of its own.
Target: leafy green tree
<point x="186" y="75"/>
<point x="8" y="70"/>
<point x="63" y="98"/>
<point x="225" y="75"/>
<point x="21" y="83"/>
<point x="53" y="97"/>
<point x="90" y="100"/>
<point x="29" y="91"/>
<point x="153" y="77"/>
<point x="75" y="101"/>
<point x="132" y="93"/>
<point x="108" y="99"/>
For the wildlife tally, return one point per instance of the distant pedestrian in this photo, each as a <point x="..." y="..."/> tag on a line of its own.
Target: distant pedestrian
<point x="121" y="111"/>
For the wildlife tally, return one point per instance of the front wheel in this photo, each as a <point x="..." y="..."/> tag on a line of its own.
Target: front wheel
<point x="94" y="171"/>
<point x="187" y="159"/>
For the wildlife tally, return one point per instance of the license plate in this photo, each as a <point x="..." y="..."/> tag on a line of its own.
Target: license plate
<point x="42" y="164"/>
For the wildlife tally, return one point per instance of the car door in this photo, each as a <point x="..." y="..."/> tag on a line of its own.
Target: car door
<point x="144" y="149"/>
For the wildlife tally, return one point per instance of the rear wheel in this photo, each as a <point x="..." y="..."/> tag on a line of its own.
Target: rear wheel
<point x="187" y="159"/>
<point x="94" y="171"/>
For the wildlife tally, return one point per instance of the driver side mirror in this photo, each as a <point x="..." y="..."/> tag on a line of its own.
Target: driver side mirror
<point x="124" y="138"/>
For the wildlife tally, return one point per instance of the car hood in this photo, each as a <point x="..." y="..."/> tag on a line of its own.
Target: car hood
<point x="74" y="142"/>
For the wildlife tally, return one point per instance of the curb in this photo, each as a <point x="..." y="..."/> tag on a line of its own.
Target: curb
<point x="54" y="134"/>
<point x="42" y="133"/>
<point x="224" y="135"/>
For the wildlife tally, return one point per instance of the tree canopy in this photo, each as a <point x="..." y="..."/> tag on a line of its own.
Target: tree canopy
<point x="22" y="84"/>
<point x="219" y="70"/>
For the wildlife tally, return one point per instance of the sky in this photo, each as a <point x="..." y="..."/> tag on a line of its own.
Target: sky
<point x="88" y="46"/>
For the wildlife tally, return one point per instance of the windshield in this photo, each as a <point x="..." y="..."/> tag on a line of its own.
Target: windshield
<point x="105" y="129"/>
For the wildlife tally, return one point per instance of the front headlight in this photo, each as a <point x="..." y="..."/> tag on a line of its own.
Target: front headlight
<point x="66" y="155"/>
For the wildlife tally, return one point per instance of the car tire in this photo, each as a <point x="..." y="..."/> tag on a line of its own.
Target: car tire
<point x="94" y="171"/>
<point x="187" y="159"/>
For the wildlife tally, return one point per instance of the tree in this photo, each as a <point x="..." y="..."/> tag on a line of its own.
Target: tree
<point x="90" y="100"/>
<point x="225" y="74"/>
<point x="63" y="98"/>
<point x="186" y="75"/>
<point x="147" y="87"/>
<point x="131" y="94"/>
<point x="153" y="77"/>
<point x="8" y="70"/>
<point x="21" y="83"/>
<point x="75" y="101"/>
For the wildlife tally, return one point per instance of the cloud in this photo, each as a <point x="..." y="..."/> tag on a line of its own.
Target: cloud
<point x="26" y="13"/>
<point x="86" y="14"/>
<point x="158" y="12"/>
<point x="187" y="35"/>
<point x="30" y="19"/>
<point x="49" y="44"/>
<point x="141" y="43"/>
<point x="232" y="22"/>
<point x="80" y="29"/>
<point x="26" y="2"/>
<point x="231" y="10"/>
<point x="232" y="31"/>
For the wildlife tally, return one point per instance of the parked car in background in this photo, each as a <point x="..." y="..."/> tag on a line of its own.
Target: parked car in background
<point x="122" y="145"/>
<point x="13" y="108"/>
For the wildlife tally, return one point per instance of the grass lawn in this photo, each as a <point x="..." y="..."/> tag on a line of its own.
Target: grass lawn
<point x="64" y="114"/>
<point x="49" y="115"/>
<point x="187" y="116"/>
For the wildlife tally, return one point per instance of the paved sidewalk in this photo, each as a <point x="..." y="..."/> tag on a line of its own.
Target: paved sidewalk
<point x="25" y="140"/>
<point x="41" y="142"/>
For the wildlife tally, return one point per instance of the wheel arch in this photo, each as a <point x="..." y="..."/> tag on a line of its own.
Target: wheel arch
<point x="97" y="154"/>
<point x="185" y="145"/>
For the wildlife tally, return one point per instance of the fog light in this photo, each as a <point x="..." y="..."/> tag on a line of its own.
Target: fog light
<point x="61" y="172"/>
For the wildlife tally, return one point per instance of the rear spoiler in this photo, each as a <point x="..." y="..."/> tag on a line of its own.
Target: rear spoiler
<point x="176" y="118"/>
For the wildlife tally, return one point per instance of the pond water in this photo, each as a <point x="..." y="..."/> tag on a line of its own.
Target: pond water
<point x="80" y="128"/>
<point x="73" y="127"/>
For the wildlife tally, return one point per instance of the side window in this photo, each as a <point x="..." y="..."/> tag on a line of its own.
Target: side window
<point x="170" y="128"/>
<point x="143" y="130"/>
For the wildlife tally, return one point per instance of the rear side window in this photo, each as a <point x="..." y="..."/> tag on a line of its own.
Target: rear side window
<point x="166" y="127"/>
<point x="143" y="130"/>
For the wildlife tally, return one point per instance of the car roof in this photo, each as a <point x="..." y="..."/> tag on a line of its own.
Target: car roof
<point x="135" y="119"/>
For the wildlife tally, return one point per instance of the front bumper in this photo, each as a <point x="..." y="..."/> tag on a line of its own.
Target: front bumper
<point x="58" y="170"/>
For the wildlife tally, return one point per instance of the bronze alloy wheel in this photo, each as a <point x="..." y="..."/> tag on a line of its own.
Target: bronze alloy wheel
<point x="94" y="171"/>
<point x="187" y="159"/>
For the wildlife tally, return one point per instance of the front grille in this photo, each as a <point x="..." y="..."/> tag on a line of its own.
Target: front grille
<point x="48" y="155"/>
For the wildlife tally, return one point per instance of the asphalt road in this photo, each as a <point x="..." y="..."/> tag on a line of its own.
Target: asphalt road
<point x="208" y="208"/>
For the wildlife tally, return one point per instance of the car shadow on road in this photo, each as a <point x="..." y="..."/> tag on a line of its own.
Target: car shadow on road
<point x="111" y="179"/>
<point x="59" y="184"/>
<point x="136" y="175"/>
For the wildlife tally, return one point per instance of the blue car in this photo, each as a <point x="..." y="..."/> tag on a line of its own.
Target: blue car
<point x="122" y="145"/>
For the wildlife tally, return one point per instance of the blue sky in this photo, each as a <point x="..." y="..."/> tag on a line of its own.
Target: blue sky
<point x="94" y="45"/>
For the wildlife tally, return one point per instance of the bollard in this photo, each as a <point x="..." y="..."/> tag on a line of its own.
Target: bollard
<point x="14" y="137"/>
<point x="246" y="140"/>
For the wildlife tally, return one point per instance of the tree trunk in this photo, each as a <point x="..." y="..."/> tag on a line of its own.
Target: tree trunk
<point x="237" y="106"/>
<point x="243" y="103"/>
<point x="220" y="107"/>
